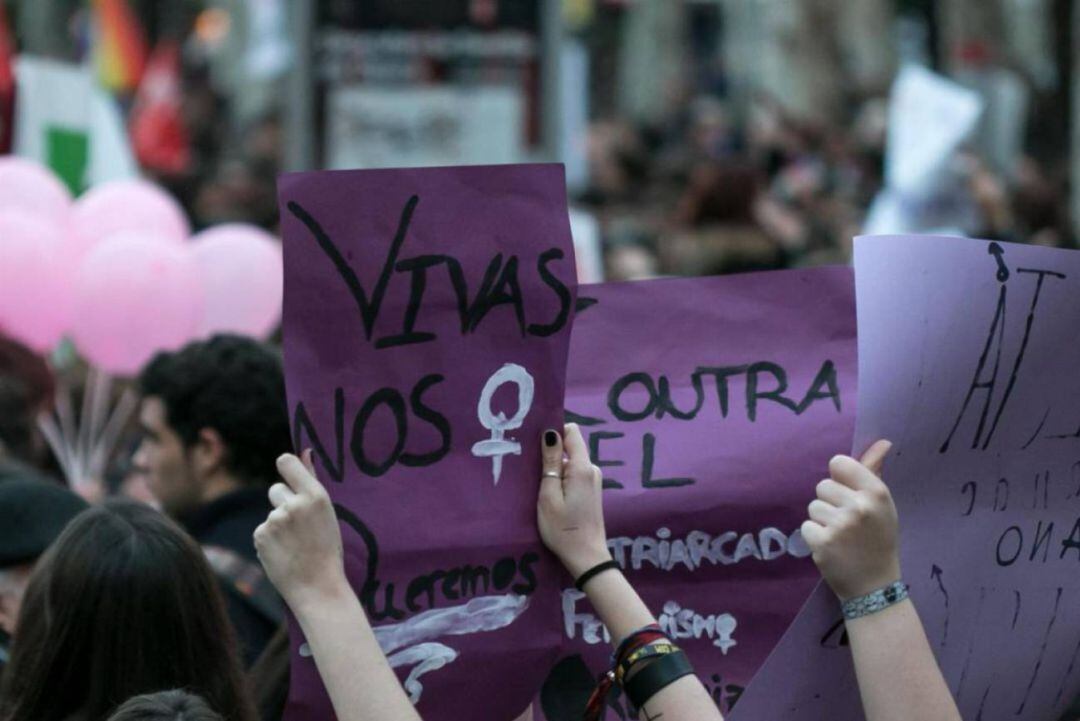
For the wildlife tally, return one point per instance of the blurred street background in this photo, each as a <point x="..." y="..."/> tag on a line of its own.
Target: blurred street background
<point x="699" y="137"/>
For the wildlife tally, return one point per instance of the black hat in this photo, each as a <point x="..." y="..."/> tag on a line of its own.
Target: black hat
<point x="32" y="514"/>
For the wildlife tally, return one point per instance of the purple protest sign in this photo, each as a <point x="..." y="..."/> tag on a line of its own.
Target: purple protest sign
<point x="711" y="405"/>
<point x="967" y="362"/>
<point x="427" y="322"/>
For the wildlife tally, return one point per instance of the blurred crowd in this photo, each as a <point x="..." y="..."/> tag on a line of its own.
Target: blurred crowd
<point x="716" y="187"/>
<point x="708" y="194"/>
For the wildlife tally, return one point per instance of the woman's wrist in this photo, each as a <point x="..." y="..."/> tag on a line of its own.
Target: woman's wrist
<point x="581" y="561"/>
<point x="854" y="584"/>
<point x="618" y="605"/>
<point x="315" y="598"/>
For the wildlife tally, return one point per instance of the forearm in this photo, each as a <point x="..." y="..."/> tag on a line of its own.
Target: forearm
<point x="684" y="700"/>
<point x="898" y="676"/>
<point x="618" y="605"/>
<point x="623" y="612"/>
<point x="360" y="682"/>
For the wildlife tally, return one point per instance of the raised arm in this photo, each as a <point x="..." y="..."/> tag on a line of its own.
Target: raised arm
<point x="300" y="548"/>
<point x="571" y="519"/>
<point x="853" y="533"/>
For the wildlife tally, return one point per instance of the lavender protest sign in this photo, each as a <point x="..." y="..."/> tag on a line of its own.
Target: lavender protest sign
<point x="967" y="361"/>
<point x="427" y="323"/>
<point x="711" y="405"/>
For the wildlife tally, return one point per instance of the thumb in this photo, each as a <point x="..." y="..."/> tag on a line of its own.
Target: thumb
<point x="874" y="456"/>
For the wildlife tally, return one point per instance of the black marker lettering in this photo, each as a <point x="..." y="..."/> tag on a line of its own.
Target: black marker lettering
<point x="775" y="395"/>
<point x="419" y="586"/>
<point x="594" y="454"/>
<point x="502" y="573"/>
<point x="525" y="567"/>
<point x="450" y="581"/>
<point x="826" y="377"/>
<point x="665" y="404"/>
<point x="472" y="576"/>
<point x="1072" y="543"/>
<point x="432" y="417"/>
<point x="1005" y="559"/>
<point x="973" y="487"/>
<point x="369" y="307"/>
<point x="505" y="290"/>
<point x="393" y="401"/>
<point x="302" y="424"/>
<point x="1041" y="479"/>
<point x="371" y="581"/>
<point x="418" y="268"/>
<point x="583" y="304"/>
<point x="582" y="420"/>
<point x="615" y="397"/>
<point x="1023" y="345"/>
<point x="648" y="452"/>
<point x="566" y="298"/>
<point x="997" y="326"/>
<point x="1042" y="651"/>
<point x="1042" y="540"/>
<point x="721" y="375"/>
<point x="1002" y="483"/>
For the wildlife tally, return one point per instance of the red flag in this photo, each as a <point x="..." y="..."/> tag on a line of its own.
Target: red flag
<point x="7" y="84"/>
<point x="159" y="135"/>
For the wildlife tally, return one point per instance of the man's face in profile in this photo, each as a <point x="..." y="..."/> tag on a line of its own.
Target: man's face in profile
<point x="162" y="460"/>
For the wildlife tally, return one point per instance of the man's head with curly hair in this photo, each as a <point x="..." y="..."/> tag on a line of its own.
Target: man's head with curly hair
<point x="213" y="418"/>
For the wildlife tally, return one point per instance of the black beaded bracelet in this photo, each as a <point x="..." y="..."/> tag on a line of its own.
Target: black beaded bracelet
<point x="595" y="571"/>
<point x="659" y="674"/>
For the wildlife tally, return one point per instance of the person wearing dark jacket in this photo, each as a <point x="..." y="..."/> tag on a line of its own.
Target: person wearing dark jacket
<point x="213" y="418"/>
<point x="33" y="513"/>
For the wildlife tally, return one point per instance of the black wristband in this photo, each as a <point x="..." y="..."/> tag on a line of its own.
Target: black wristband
<point x="595" y="571"/>
<point x="659" y="674"/>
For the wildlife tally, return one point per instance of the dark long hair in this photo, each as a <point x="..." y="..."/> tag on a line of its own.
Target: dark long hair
<point x="172" y="705"/>
<point x="123" y="604"/>
<point x="269" y="677"/>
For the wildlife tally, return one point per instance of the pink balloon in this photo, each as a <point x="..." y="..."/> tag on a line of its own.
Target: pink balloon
<point x="241" y="270"/>
<point x="122" y="206"/>
<point x="35" y="285"/>
<point x="34" y="189"/>
<point x="134" y="296"/>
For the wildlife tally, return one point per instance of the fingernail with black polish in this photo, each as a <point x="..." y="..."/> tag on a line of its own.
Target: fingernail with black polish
<point x="550" y="438"/>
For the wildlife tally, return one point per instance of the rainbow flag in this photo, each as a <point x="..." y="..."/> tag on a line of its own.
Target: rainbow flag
<point x="120" y="47"/>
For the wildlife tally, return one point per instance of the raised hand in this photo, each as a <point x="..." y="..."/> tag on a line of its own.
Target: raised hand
<point x="299" y="544"/>
<point x="853" y="528"/>
<point x="569" y="511"/>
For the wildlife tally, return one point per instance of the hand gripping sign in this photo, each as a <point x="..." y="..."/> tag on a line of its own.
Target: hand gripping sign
<point x="712" y="406"/>
<point x="968" y="363"/>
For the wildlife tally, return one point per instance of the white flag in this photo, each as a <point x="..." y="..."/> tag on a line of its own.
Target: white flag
<point x="929" y="117"/>
<point x="64" y="120"/>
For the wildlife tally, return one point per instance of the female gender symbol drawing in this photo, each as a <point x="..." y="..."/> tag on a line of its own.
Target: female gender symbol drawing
<point x="498" y="445"/>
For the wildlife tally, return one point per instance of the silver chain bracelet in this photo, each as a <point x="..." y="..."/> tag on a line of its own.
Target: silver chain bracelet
<point x="875" y="601"/>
